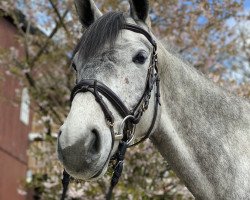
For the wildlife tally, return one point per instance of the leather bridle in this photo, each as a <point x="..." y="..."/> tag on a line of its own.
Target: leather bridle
<point x="125" y="133"/>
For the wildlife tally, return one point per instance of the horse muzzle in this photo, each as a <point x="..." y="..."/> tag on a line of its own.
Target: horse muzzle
<point x="85" y="157"/>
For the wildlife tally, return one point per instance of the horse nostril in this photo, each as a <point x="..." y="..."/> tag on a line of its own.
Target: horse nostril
<point x="95" y="144"/>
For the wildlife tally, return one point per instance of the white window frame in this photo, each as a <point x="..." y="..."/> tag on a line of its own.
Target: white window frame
<point x="25" y="107"/>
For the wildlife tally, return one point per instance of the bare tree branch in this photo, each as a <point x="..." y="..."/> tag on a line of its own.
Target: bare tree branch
<point x="44" y="47"/>
<point x="61" y="19"/>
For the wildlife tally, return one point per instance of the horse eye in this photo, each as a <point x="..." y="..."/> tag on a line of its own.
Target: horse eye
<point x="140" y="58"/>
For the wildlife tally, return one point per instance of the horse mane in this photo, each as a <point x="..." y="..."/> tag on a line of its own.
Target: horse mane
<point x="102" y="31"/>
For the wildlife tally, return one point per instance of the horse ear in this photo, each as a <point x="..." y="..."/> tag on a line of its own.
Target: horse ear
<point x="87" y="12"/>
<point x="139" y="10"/>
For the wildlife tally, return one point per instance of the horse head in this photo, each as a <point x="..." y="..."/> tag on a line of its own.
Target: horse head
<point x="115" y="63"/>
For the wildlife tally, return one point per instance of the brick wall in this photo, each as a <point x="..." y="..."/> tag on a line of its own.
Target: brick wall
<point x="13" y="133"/>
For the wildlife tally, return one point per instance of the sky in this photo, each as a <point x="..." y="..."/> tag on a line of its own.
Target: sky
<point x="247" y="4"/>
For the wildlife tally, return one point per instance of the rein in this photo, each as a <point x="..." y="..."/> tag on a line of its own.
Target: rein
<point x="126" y="129"/>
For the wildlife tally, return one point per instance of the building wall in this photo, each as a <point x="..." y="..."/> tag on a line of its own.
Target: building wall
<point x="13" y="133"/>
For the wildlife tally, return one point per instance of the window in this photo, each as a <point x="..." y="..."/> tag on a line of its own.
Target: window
<point x="25" y="107"/>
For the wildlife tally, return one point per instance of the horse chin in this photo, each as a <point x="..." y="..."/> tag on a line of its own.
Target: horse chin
<point x="90" y="175"/>
<point x="99" y="174"/>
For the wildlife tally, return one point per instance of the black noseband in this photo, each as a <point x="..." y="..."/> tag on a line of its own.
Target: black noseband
<point x="94" y="87"/>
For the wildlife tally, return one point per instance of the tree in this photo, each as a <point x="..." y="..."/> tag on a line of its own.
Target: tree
<point x="202" y="35"/>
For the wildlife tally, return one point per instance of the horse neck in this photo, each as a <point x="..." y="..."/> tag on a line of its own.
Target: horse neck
<point x="203" y="132"/>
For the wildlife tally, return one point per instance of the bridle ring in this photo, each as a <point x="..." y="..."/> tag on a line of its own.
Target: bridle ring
<point x="120" y="130"/>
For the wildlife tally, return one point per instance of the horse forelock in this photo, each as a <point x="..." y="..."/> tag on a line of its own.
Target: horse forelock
<point x="103" y="31"/>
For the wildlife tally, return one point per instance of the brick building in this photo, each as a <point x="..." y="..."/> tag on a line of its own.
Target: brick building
<point x="15" y="120"/>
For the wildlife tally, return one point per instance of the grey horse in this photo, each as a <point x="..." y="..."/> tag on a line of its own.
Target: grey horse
<point x="202" y="130"/>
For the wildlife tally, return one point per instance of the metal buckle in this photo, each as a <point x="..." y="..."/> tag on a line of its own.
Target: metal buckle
<point x="119" y="135"/>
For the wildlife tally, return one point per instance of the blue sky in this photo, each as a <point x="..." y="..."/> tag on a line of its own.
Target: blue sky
<point x="247" y="4"/>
